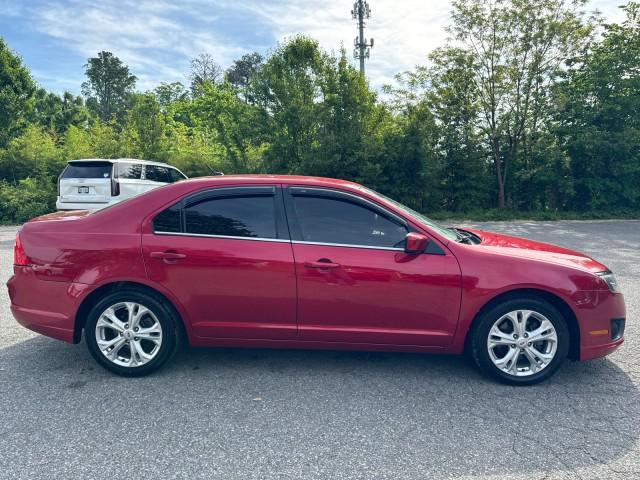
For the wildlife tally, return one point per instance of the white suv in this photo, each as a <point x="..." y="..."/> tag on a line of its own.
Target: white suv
<point x="91" y="184"/>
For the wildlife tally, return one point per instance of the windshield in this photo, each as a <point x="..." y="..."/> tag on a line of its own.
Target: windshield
<point x="445" y="232"/>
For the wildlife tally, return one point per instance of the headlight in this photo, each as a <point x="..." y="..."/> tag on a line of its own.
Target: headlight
<point x="610" y="279"/>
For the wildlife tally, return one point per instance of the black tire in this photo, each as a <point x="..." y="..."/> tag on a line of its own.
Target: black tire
<point x="165" y="315"/>
<point x="480" y="335"/>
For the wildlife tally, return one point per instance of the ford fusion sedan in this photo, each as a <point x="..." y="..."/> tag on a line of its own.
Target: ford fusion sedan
<point x="304" y="262"/>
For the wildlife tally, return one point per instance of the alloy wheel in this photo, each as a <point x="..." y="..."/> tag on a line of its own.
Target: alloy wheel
<point x="128" y="334"/>
<point x="522" y="342"/>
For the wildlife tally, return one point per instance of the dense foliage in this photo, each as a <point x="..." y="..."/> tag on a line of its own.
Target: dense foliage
<point x="532" y="107"/>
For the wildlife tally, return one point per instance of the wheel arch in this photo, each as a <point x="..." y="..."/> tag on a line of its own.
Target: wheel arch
<point x="522" y="293"/>
<point x="95" y="295"/>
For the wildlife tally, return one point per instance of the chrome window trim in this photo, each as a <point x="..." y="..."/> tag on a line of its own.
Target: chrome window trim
<point x="204" y="235"/>
<point x="370" y="247"/>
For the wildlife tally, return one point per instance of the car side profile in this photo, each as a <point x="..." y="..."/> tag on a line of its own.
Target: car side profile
<point x="92" y="184"/>
<point x="305" y="262"/>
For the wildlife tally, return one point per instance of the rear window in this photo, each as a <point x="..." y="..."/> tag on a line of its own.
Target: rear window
<point x="87" y="170"/>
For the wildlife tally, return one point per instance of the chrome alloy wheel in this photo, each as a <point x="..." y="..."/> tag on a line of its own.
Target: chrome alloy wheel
<point x="522" y="342"/>
<point x="128" y="334"/>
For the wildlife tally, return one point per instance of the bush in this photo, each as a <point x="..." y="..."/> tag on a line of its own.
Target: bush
<point x="26" y="199"/>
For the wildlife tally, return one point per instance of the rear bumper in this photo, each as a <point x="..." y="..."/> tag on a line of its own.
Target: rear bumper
<point x="61" y="205"/>
<point x="46" y="307"/>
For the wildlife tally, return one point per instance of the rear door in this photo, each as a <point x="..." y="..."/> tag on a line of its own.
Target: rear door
<point x="225" y="254"/>
<point x="86" y="182"/>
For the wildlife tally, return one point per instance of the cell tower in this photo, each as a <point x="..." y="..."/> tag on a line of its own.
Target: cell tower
<point x="362" y="50"/>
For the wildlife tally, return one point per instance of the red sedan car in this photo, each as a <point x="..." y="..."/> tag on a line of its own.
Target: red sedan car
<point x="302" y="262"/>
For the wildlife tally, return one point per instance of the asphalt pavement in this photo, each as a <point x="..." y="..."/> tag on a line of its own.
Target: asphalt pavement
<point x="262" y="414"/>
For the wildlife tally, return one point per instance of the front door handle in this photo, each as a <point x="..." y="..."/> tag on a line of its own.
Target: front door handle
<point x="168" y="257"/>
<point x="322" y="264"/>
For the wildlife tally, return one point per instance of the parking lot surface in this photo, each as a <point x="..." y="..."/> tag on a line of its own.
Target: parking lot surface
<point x="261" y="414"/>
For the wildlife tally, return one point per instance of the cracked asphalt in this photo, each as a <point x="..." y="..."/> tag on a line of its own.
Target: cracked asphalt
<point x="258" y="414"/>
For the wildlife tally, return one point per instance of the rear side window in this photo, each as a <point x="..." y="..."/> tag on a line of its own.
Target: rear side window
<point x="156" y="173"/>
<point x="329" y="220"/>
<point x="87" y="170"/>
<point x="241" y="216"/>
<point x="168" y="220"/>
<point x="130" y="171"/>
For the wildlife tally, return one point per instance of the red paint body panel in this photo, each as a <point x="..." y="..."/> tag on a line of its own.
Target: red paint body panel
<point x="377" y="296"/>
<point x="232" y="288"/>
<point x="236" y="292"/>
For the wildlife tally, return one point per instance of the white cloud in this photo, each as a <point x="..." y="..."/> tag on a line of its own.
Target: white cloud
<point x="157" y="38"/>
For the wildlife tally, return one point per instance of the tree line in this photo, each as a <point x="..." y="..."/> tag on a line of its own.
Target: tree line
<point x="531" y="106"/>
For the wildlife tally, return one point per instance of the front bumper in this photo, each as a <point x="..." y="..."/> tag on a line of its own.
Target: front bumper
<point x="595" y="313"/>
<point x="46" y="307"/>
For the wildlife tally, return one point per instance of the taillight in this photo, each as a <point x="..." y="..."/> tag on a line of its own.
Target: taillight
<point x="19" y="256"/>
<point x="59" y="177"/>
<point x="115" y="187"/>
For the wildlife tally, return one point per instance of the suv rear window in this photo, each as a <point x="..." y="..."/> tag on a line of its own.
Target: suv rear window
<point x="87" y="170"/>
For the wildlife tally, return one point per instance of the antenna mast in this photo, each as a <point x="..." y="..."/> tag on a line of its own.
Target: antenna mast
<point x="362" y="50"/>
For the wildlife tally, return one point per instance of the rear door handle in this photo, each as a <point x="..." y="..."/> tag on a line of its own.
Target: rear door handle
<point x="168" y="256"/>
<point x="321" y="264"/>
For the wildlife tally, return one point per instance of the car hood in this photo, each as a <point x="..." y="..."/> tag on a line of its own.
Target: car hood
<point x="546" y="252"/>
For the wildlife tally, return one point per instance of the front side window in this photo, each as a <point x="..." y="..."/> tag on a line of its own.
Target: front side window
<point x="175" y="175"/>
<point x="330" y="220"/>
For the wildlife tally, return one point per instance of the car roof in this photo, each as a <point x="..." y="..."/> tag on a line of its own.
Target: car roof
<point x="215" y="180"/>
<point x="121" y="160"/>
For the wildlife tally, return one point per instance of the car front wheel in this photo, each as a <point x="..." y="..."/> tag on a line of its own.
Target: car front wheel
<point x="131" y="332"/>
<point x="521" y="341"/>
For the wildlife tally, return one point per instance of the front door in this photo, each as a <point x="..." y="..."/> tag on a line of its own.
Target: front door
<point x="225" y="254"/>
<point x="356" y="284"/>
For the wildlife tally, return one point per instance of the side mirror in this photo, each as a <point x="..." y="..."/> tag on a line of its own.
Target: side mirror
<point x="415" y="243"/>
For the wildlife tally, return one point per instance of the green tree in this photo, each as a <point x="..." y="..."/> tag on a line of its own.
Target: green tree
<point x="519" y="47"/>
<point x="240" y="73"/>
<point x="170" y="93"/>
<point x="599" y="123"/>
<point x="232" y="124"/>
<point x="17" y="91"/>
<point x="145" y="128"/>
<point x="288" y="90"/>
<point x="463" y="177"/>
<point x="57" y="113"/>
<point x="108" y="87"/>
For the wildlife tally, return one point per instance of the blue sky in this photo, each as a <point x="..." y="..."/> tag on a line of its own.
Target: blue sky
<point x="157" y="38"/>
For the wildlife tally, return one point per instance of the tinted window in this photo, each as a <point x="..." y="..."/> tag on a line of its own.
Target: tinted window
<point x="175" y="175"/>
<point x="327" y="220"/>
<point x="87" y="170"/>
<point x="132" y="171"/>
<point x="156" y="173"/>
<point x="168" y="220"/>
<point x="250" y="216"/>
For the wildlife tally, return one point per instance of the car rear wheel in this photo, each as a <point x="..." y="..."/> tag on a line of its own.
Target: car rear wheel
<point x="131" y="332"/>
<point x="521" y="341"/>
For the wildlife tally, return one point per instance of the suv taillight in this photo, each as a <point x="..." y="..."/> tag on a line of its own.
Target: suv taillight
<point x="115" y="187"/>
<point x="59" y="177"/>
<point x="19" y="256"/>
